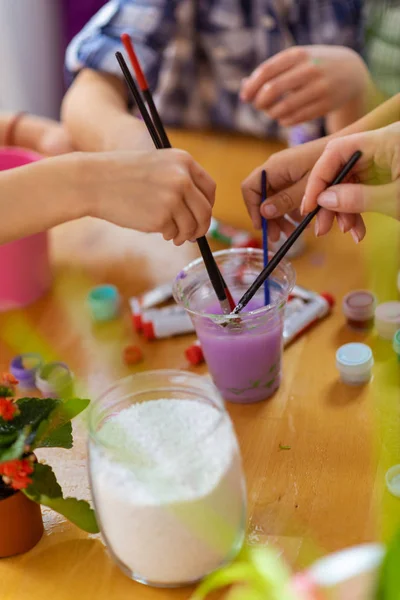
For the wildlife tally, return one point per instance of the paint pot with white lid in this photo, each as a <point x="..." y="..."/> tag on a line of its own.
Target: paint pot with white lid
<point x="354" y="362"/>
<point x="387" y="319"/>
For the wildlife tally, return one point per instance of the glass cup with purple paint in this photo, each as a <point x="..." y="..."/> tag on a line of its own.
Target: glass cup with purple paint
<point x="243" y="355"/>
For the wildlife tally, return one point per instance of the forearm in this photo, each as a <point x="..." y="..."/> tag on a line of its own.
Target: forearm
<point x="346" y="115"/>
<point x="95" y="113"/>
<point x="385" y="114"/>
<point x="39" y="196"/>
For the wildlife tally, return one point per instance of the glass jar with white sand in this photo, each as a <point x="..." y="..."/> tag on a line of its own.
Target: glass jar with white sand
<point x="166" y="477"/>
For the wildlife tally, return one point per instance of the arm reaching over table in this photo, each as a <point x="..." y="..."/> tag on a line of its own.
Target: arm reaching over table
<point x="288" y="173"/>
<point x="41" y="135"/>
<point x="165" y="192"/>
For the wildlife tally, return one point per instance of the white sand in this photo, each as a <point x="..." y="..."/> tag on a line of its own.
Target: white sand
<point x="173" y="510"/>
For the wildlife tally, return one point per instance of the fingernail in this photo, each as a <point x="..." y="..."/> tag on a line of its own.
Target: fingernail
<point x="302" y="205"/>
<point x="269" y="211"/>
<point x="340" y="223"/>
<point x="328" y="199"/>
<point x="354" y="235"/>
<point x="316" y="228"/>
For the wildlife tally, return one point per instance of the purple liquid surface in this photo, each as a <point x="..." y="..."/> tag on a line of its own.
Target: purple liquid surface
<point x="244" y="363"/>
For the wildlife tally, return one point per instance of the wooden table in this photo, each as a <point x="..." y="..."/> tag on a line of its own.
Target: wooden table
<point x="325" y="493"/>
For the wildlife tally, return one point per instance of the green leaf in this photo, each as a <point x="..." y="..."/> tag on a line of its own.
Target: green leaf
<point x="32" y="412"/>
<point x="16" y="450"/>
<point x="236" y="572"/>
<point x="389" y="578"/>
<point x="46" y="490"/>
<point x="55" y="431"/>
<point x="44" y="484"/>
<point x="60" y="438"/>
<point x="6" y="391"/>
<point x="283" y="447"/>
<point x="78" y="512"/>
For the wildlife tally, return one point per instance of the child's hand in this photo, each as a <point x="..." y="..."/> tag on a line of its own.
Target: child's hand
<point x="53" y="140"/>
<point x="162" y="191"/>
<point x="374" y="184"/>
<point x="287" y="174"/>
<point x="306" y="82"/>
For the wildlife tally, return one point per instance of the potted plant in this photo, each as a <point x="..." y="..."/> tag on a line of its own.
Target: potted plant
<point x="365" y="572"/>
<point x="27" y="424"/>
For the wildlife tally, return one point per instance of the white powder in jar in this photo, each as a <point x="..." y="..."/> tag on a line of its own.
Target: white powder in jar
<point x="173" y="508"/>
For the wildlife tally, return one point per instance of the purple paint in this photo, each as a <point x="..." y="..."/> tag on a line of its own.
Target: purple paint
<point x="243" y="360"/>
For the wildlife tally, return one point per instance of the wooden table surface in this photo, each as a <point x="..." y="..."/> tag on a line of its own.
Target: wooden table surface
<point x="325" y="493"/>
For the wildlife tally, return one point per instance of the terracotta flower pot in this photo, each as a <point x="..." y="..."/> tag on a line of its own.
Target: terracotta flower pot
<point x="21" y="525"/>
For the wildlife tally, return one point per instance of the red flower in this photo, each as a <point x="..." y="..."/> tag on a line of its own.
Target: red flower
<point x="8" y="410"/>
<point x="17" y="473"/>
<point x="8" y="378"/>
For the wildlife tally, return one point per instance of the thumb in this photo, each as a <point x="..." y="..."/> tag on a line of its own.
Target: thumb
<point x="357" y="198"/>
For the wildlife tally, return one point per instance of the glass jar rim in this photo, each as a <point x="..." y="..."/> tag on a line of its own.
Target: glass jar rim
<point x="284" y="264"/>
<point x="204" y="379"/>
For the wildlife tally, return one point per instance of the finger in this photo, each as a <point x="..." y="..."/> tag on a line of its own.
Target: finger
<point x="170" y="232"/>
<point x="203" y="182"/>
<point x="299" y="101"/>
<point x="271" y="92"/>
<point x="359" y="230"/>
<point x="200" y="209"/>
<point x="346" y="221"/>
<point x="271" y="68"/>
<point x="358" y="198"/>
<point x="324" y="222"/>
<point x="274" y="230"/>
<point x="186" y="223"/>
<point x="311" y="111"/>
<point x="283" y="202"/>
<point x="334" y="157"/>
<point x="251" y="191"/>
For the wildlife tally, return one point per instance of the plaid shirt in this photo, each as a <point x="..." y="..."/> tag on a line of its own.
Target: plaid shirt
<point x="196" y="52"/>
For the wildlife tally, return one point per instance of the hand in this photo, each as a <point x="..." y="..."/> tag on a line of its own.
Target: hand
<point x="375" y="177"/>
<point x="163" y="191"/>
<point x="287" y="174"/>
<point x="54" y="140"/>
<point x="306" y="82"/>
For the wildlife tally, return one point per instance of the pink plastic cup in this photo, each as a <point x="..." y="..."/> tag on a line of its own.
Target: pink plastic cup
<point x="24" y="264"/>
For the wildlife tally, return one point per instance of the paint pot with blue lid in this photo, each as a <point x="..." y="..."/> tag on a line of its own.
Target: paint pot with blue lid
<point x="24" y="368"/>
<point x="104" y="302"/>
<point x="396" y="343"/>
<point x="55" y="380"/>
<point x="354" y="362"/>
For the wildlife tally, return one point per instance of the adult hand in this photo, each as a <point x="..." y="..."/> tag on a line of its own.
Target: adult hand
<point x="306" y="82"/>
<point x="164" y="191"/>
<point x="374" y="184"/>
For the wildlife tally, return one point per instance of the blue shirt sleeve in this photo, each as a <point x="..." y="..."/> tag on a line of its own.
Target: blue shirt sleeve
<point x="150" y="23"/>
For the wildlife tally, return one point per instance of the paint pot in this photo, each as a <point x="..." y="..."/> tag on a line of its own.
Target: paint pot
<point x="354" y="362"/>
<point x="24" y="368"/>
<point x="55" y="380"/>
<point x="387" y="319"/>
<point x="104" y="302"/>
<point x="359" y="309"/>
<point x="392" y="479"/>
<point x="396" y="343"/>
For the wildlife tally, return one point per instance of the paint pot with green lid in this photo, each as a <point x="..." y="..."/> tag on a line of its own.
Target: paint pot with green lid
<point x="396" y="343"/>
